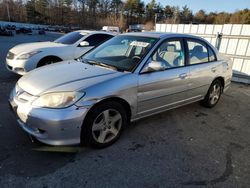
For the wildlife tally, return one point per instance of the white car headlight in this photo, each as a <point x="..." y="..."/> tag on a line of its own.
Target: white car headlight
<point x="28" y="55"/>
<point x="58" y="100"/>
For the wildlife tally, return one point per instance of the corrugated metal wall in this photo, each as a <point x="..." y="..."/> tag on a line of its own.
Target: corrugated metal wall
<point x="235" y="42"/>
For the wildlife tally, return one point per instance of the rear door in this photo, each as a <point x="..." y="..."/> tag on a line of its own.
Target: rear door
<point x="203" y="66"/>
<point x="160" y="90"/>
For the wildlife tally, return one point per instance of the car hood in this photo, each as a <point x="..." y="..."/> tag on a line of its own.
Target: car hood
<point x="64" y="76"/>
<point x="28" y="47"/>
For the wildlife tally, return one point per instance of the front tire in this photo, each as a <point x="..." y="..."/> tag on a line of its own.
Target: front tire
<point x="47" y="61"/>
<point x="213" y="94"/>
<point x="103" y="125"/>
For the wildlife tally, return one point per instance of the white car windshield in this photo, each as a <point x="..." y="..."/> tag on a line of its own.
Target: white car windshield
<point x="123" y="52"/>
<point x="70" y="38"/>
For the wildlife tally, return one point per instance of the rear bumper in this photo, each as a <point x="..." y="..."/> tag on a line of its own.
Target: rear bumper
<point x="227" y="85"/>
<point x="50" y="126"/>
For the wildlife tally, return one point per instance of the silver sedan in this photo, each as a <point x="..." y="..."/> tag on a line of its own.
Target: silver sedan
<point x="129" y="77"/>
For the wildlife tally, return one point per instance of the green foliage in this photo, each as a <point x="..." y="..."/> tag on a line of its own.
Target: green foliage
<point x="169" y="12"/>
<point x="242" y="16"/>
<point x="186" y="15"/>
<point x="133" y="7"/>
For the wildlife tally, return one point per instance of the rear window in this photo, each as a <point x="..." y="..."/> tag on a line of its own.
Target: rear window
<point x="70" y="38"/>
<point x="97" y="39"/>
<point x="197" y="52"/>
<point x="211" y="54"/>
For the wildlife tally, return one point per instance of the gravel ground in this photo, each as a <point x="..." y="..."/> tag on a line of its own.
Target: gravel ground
<point x="191" y="146"/>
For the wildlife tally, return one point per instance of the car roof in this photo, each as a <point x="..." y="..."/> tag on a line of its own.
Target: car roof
<point x="94" y="32"/>
<point x="165" y="35"/>
<point x="160" y="35"/>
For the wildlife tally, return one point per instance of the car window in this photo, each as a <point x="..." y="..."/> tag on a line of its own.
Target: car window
<point x="123" y="52"/>
<point x="197" y="52"/>
<point x="211" y="54"/>
<point x="171" y="53"/>
<point x="113" y="51"/>
<point x="138" y="50"/>
<point x="70" y="38"/>
<point x="96" y="39"/>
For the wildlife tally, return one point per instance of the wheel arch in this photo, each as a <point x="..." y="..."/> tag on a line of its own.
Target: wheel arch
<point x="53" y="57"/>
<point x="123" y="102"/>
<point x="222" y="80"/>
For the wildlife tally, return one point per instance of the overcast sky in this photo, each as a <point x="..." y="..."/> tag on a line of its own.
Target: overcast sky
<point x="208" y="5"/>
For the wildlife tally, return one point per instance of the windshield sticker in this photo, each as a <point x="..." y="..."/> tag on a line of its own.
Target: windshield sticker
<point x="140" y="44"/>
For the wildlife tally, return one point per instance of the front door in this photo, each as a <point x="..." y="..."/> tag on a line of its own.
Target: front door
<point x="161" y="90"/>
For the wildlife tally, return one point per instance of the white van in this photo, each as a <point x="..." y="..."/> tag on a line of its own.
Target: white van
<point x="112" y="29"/>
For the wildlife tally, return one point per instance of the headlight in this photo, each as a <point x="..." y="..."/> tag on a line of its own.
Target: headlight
<point x="58" y="100"/>
<point x="28" y="55"/>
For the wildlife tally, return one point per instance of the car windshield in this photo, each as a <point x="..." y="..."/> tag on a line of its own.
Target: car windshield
<point x="70" y="38"/>
<point x="123" y="52"/>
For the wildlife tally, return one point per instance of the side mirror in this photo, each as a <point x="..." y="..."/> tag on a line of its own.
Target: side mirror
<point x="154" y="66"/>
<point x="84" y="44"/>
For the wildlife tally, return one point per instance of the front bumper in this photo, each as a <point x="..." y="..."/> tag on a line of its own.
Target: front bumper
<point x="50" y="126"/>
<point x="22" y="66"/>
<point x="16" y="66"/>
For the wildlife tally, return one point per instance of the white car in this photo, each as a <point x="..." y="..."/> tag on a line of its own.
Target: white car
<point x="26" y="57"/>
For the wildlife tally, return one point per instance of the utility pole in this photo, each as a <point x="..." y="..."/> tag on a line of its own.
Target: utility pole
<point x="155" y="18"/>
<point x="155" y="21"/>
<point x="8" y="11"/>
<point x="175" y="16"/>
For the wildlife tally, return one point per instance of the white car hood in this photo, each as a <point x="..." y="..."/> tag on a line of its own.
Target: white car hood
<point x="64" y="76"/>
<point x="28" y="47"/>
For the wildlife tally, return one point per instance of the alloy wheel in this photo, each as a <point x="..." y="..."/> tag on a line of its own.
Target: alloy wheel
<point x="215" y="93"/>
<point x="107" y="126"/>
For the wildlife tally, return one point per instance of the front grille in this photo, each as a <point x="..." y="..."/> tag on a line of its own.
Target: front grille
<point x="10" y="55"/>
<point x="21" y="95"/>
<point x="24" y="96"/>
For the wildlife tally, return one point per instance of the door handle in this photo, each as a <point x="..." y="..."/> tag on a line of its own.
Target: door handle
<point x="183" y="75"/>
<point x="213" y="69"/>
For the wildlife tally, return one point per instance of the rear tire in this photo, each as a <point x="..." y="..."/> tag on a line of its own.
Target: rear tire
<point x="213" y="94"/>
<point x="103" y="125"/>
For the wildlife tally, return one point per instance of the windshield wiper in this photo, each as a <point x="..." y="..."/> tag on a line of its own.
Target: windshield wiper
<point x="92" y="62"/>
